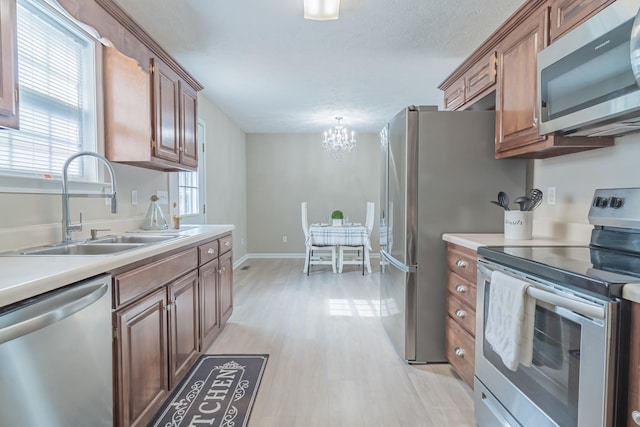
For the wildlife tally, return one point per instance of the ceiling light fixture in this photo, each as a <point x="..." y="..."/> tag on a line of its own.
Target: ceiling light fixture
<point x="337" y="141"/>
<point x="321" y="9"/>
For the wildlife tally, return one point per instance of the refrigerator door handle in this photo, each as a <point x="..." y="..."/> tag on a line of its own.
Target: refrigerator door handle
<point x="397" y="264"/>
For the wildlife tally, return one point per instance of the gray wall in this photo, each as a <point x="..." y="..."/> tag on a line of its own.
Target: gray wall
<point x="284" y="170"/>
<point x="226" y="173"/>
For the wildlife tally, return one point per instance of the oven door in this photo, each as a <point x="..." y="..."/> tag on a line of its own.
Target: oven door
<point x="571" y="379"/>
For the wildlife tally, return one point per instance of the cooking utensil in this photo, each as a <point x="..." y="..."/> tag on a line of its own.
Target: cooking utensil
<point x="496" y="203"/>
<point x="536" y="198"/>
<point x="524" y="202"/>
<point x="503" y="199"/>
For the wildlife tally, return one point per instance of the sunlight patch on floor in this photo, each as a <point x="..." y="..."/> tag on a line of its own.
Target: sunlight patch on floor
<point x="354" y="307"/>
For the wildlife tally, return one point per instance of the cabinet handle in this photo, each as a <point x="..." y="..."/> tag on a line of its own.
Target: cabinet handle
<point x="635" y="415"/>
<point x="461" y="263"/>
<point x="461" y="313"/>
<point x="461" y="288"/>
<point x="210" y="251"/>
<point x="167" y="307"/>
<point x="459" y="352"/>
<point x="227" y="244"/>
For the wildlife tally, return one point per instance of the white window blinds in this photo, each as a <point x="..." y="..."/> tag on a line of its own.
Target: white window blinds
<point x="57" y="97"/>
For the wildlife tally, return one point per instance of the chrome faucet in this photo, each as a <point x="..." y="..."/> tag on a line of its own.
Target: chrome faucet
<point x="67" y="226"/>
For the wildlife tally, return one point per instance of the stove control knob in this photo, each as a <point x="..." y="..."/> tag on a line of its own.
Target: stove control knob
<point x="616" y="202"/>
<point x="600" y="202"/>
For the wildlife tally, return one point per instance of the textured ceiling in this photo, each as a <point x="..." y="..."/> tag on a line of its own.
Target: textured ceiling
<point x="271" y="70"/>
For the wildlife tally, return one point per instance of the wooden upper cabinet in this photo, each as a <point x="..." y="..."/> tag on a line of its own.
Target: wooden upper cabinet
<point x="188" y="126"/>
<point x="9" y="65"/>
<point x="479" y="80"/>
<point x="567" y="14"/>
<point x="516" y="93"/>
<point x="127" y="108"/>
<point x="174" y="106"/>
<point x="481" y="77"/>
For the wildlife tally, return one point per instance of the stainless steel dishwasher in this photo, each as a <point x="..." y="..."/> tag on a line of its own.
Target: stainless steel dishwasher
<point x="55" y="358"/>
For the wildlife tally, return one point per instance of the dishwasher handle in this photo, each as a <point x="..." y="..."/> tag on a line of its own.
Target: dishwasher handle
<point x="50" y="309"/>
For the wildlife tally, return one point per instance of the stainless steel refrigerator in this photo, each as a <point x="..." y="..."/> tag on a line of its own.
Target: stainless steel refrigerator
<point x="438" y="176"/>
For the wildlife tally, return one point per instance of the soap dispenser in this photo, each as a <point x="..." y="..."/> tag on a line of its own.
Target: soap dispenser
<point x="154" y="220"/>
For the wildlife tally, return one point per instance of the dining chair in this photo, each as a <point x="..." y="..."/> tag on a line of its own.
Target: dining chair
<point x="315" y="255"/>
<point x="357" y="258"/>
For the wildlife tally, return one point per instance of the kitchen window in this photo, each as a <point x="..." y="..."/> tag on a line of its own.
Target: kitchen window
<point x="57" y="83"/>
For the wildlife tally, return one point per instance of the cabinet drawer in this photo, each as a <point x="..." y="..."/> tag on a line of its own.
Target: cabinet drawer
<point x="462" y="289"/>
<point x="134" y="283"/>
<point x="208" y="252"/>
<point x="460" y="351"/>
<point x="462" y="261"/>
<point x="226" y="244"/>
<point x="464" y="315"/>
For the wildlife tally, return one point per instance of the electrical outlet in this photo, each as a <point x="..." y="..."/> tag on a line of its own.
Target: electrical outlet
<point x="134" y="197"/>
<point x="284" y="239"/>
<point x="551" y="196"/>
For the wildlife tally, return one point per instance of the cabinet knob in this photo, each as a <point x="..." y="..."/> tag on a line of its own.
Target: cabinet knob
<point x="461" y="263"/>
<point x="459" y="352"/>
<point x="635" y="415"/>
<point x="210" y="251"/>
<point x="227" y="244"/>
<point x="461" y="288"/>
<point x="461" y="313"/>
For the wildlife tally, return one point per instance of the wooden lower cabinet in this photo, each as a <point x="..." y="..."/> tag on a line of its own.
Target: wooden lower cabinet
<point x="209" y="311"/>
<point x="184" y="330"/>
<point x="142" y="355"/>
<point x="461" y="314"/>
<point x="633" y="402"/>
<point x="166" y="312"/>
<point x="226" y="286"/>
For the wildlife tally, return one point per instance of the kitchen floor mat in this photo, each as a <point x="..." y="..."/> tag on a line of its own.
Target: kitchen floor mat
<point x="219" y="391"/>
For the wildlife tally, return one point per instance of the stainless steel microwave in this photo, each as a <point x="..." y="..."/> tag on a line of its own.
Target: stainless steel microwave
<point x="589" y="80"/>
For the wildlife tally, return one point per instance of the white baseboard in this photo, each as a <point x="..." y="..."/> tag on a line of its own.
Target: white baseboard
<point x="279" y="256"/>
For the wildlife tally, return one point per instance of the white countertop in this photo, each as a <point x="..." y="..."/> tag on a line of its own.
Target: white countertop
<point x="475" y="240"/>
<point x="23" y="276"/>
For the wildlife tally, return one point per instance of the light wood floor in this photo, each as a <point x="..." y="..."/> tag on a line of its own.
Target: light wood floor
<point x="330" y="361"/>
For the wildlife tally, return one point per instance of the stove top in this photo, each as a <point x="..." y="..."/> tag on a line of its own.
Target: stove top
<point x="597" y="271"/>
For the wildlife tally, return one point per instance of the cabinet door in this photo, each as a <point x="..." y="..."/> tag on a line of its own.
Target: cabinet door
<point x="188" y="125"/>
<point x="165" y="102"/>
<point x="454" y="95"/>
<point x="184" y="335"/>
<point x="141" y="359"/>
<point x="9" y="65"/>
<point x="209" y="311"/>
<point x="481" y="77"/>
<point x="225" y="284"/>
<point x="567" y="14"/>
<point x="516" y="92"/>
<point x="633" y="404"/>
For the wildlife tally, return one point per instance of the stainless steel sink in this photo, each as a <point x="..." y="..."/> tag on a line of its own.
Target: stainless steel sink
<point x="83" y="249"/>
<point x="103" y="245"/>
<point x="131" y="239"/>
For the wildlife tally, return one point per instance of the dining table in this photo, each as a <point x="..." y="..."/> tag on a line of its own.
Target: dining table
<point x="354" y="234"/>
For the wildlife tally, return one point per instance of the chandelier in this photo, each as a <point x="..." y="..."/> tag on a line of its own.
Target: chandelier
<point x="338" y="142"/>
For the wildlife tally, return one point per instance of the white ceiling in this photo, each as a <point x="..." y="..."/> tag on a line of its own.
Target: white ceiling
<point x="271" y="70"/>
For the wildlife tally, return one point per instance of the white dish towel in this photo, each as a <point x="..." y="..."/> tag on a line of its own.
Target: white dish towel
<point x="510" y="320"/>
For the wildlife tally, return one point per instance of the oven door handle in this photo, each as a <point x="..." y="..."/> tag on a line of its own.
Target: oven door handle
<point x="589" y="310"/>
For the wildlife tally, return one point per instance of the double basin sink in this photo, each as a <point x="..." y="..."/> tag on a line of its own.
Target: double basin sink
<point x="103" y="245"/>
